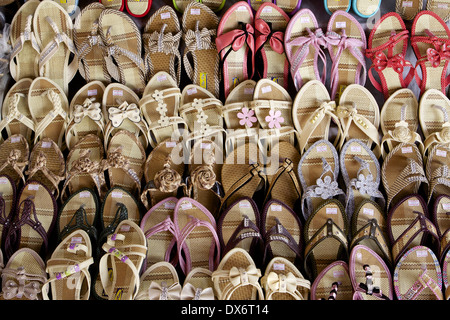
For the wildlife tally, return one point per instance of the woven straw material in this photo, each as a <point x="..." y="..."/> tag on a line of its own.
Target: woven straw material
<point x="161" y="36"/>
<point x="39" y="98"/>
<point x="15" y="144"/>
<point x="162" y="273"/>
<point x="201" y="63"/>
<point x="168" y="153"/>
<point x="91" y="56"/>
<point x="240" y="259"/>
<point x="367" y="8"/>
<point x="8" y="194"/>
<point x="336" y="272"/>
<point x="199" y="278"/>
<point x="255" y="4"/>
<point x="113" y="4"/>
<point x="17" y="97"/>
<point x="434" y="111"/>
<point x="408" y="9"/>
<point x="160" y="241"/>
<point x="26" y="61"/>
<point x="411" y="266"/>
<point x="328" y="249"/>
<point x="214" y="5"/>
<point x="440" y="216"/>
<point x="54" y="162"/>
<point x="446" y="275"/>
<point x="360" y="258"/>
<point x="68" y="254"/>
<point x="288" y="6"/>
<point x="118" y="29"/>
<point x="275" y="65"/>
<point x="76" y="131"/>
<point x="138" y="8"/>
<point x="440" y="7"/>
<point x="436" y="171"/>
<point x="32" y="264"/>
<point x="240" y="97"/>
<point x="235" y="65"/>
<point x="46" y="213"/>
<point x="133" y="153"/>
<point x="336" y="5"/>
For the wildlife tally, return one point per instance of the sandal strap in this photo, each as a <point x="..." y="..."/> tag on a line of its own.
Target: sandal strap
<point x="120" y="215"/>
<point x="165" y="225"/>
<point x="284" y="283"/>
<point x="238" y="278"/>
<point x="423" y="281"/>
<point x="238" y="236"/>
<point x="40" y="165"/>
<point x="368" y="287"/>
<point x="21" y="284"/>
<point x="266" y="34"/>
<point x="13" y="161"/>
<point x="79" y="221"/>
<point x="279" y="233"/>
<point x="287" y="167"/>
<point x="439" y="177"/>
<point x="15" y="114"/>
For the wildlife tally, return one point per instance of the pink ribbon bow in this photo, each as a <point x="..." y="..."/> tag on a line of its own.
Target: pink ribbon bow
<point x="236" y="38"/>
<point x="265" y="33"/>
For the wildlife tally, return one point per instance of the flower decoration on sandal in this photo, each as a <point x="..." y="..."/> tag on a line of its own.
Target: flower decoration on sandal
<point x="247" y="117"/>
<point x="274" y="119"/>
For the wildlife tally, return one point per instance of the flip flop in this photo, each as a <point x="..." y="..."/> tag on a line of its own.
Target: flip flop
<point x="15" y="152"/>
<point x="333" y="283"/>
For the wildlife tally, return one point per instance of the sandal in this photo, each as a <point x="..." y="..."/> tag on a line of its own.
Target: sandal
<point x="15" y="154"/>
<point x="236" y="45"/>
<point x="418" y="276"/>
<point x="325" y="236"/>
<point x="446" y="275"/>
<point x="161" y="36"/>
<point x="201" y="59"/>
<point x="408" y="9"/>
<point x="159" y="282"/>
<point x="270" y="58"/>
<point x="440" y="8"/>
<point x="366" y="9"/>
<point x="370" y="276"/>
<point x="7" y="207"/>
<point x="284" y="281"/>
<point x="386" y="47"/>
<point x="333" y="283"/>
<point x="23" y="276"/>
<point x="429" y="38"/>
<point x="53" y="26"/>
<point x="303" y="42"/>
<point x="440" y="208"/>
<point x="85" y="115"/>
<point x="198" y="285"/>
<point x="346" y="43"/>
<point x="125" y="251"/>
<point x="409" y="226"/>
<point x="237" y="278"/>
<point x="138" y="9"/>
<point x="68" y="269"/>
<point x="437" y="172"/>
<point x="89" y="44"/>
<point x="163" y="173"/>
<point x="331" y="6"/>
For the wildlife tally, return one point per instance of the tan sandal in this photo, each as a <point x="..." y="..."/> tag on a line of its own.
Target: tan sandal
<point x="198" y="285"/>
<point x="159" y="282"/>
<point x="15" y="152"/>
<point x="333" y="283"/>
<point x="436" y="171"/>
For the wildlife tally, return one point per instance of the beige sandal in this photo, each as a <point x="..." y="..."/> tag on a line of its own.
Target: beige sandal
<point x="198" y="285"/>
<point x="159" y="282"/>
<point x="15" y="154"/>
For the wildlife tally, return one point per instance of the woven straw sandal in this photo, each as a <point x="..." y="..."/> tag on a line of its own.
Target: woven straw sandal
<point x="236" y="45"/>
<point x="436" y="171"/>
<point x="410" y="225"/>
<point x="325" y="237"/>
<point x="138" y="9"/>
<point x="386" y="47"/>
<point x="196" y="232"/>
<point x="120" y="105"/>
<point x="429" y="38"/>
<point x="123" y="44"/>
<point x="303" y="44"/>
<point x="331" y="6"/>
<point x="35" y="217"/>
<point x="7" y="206"/>
<point x="366" y="9"/>
<point x="282" y="231"/>
<point x="434" y="111"/>
<point x="270" y="57"/>
<point x="284" y="281"/>
<point x="47" y="165"/>
<point x="16" y="116"/>
<point x="346" y="42"/>
<point x="370" y="276"/>
<point x="408" y="9"/>
<point x="440" y="8"/>
<point x="359" y="115"/>
<point x="361" y="172"/>
<point x="204" y="170"/>
<point x="238" y="227"/>
<point x="26" y="51"/>
<point x="118" y="5"/>
<point x="125" y="251"/>
<point x="198" y="285"/>
<point x="369" y="228"/>
<point x="180" y="5"/>
<point x="162" y="36"/>
<point x="312" y="113"/>
<point x="84" y="167"/>
<point x="159" y="282"/>
<point x="159" y="230"/>
<point x="402" y="172"/>
<point x="163" y="173"/>
<point x="79" y="212"/>
<point x="24" y="268"/>
<point x="446" y="275"/>
<point x="440" y="220"/>
<point x="125" y="160"/>
<point x="15" y="154"/>
<point x="200" y="58"/>
<point x="417" y="276"/>
<point x="333" y="283"/>
<point x="85" y="114"/>
<point x="90" y="47"/>
<point x="214" y="5"/>
<point x="318" y="171"/>
<point x="68" y="269"/>
<point x="159" y="107"/>
<point x="52" y="25"/>
<point x="50" y="110"/>
<point x="399" y="121"/>
<point x="237" y="278"/>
